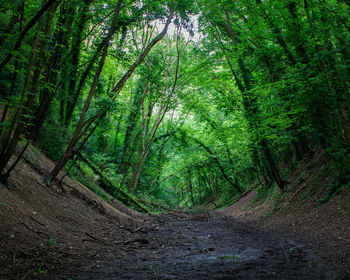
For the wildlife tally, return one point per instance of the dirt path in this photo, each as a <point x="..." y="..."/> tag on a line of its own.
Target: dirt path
<point x="49" y="234"/>
<point x="192" y="247"/>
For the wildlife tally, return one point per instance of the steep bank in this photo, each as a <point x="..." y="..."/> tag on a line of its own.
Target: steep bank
<point x="39" y="223"/>
<point x="68" y="231"/>
<point x="298" y="213"/>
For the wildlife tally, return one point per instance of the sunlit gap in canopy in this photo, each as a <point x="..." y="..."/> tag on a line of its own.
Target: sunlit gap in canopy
<point x="195" y="36"/>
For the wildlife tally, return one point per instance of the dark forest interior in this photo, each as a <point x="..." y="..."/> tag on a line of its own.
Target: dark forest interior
<point x="170" y="111"/>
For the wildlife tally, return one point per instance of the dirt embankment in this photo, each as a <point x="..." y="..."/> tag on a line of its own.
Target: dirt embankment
<point x="198" y="247"/>
<point x="37" y="222"/>
<point x="299" y="215"/>
<point x="66" y="231"/>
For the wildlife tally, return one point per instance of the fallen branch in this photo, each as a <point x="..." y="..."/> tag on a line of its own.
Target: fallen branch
<point x="160" y="206"/>
<point x="109" y="187"/>
<point x="95" y="238"/>
<point x="36" y="182"/>
<point x="136" y="240"/>
<point x="37" y="221"/>
<point x="37" y="232"/>
<point x="136" y="230"/>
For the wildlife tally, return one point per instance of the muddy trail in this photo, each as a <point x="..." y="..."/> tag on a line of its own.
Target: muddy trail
<point x="191" y="247"/>
<point x="46" y="233"/>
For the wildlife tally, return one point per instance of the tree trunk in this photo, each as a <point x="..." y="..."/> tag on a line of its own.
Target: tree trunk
<point x="117" y="132"/>
<point x="222" y="169"/>
<point x="130" y="130"/>
<point x="108" y="186"/>
<point x="69" y="151"/>
<point x="251" y="108"/>
<point x="75" y="56"/>
<point x="29" y="25"/>
<point x="22" y="116"/>
<point x="190" y="187"/>
<point x="51" y="70"/>
<point x="275" y="172"/>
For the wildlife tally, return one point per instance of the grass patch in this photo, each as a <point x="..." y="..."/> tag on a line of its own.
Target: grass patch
<point x="263" y="195"/>
<point x="87" y="181"/>
<point x="229" y="258"/>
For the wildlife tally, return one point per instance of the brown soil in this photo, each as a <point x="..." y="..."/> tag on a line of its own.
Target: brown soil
<point x="299" y="214"/>
<point x="38" y="223"/>
<point x="67" y="232"/>
<point x="195" y="247"/>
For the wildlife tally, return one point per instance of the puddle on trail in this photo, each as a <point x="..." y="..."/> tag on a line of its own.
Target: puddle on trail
<point x="212" y="257"/>
<point x="247" y="254"/>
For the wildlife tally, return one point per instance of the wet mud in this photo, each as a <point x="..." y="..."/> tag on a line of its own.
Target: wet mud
<point x="192" y="247"/>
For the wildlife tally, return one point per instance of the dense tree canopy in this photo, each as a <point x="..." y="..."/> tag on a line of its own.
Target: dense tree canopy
<point x="123" y="90"/>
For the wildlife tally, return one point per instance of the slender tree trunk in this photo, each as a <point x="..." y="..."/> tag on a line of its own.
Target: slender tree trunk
<point x="23" y="33"/>
<point x="117" y="132"/>
<point x="346" y="123"/>
<point x="14" y="164"/>
<point x="51" y="70"/>
<point x="22" y="116"/>
<point x="222" y="169"/>
<point x="15" y="18"/>
<point x="251" y="108"/>
<point x="130" y="129"/>
<point x="70" y="102"/>
<point x="190" y="187"/>
<point x="145" y="150"/>
<point x="69" y="151"/>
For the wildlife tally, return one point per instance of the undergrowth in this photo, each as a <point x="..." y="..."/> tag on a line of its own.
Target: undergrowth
<point x="263" y="194"/>
<point x="86" y="179"/>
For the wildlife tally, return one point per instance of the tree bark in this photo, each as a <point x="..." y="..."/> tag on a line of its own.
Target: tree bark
<point x="108" y="186"/>
<point x="74" y="60"/>
<point x="222" y="169"/>
<point x="142" y="56"/>
<point x="69" y="151"/>
<point x="22" y="116"/>
<point x="51" y="70"/>
<point x="29" y="25"/>
<point x="251" y="108"/>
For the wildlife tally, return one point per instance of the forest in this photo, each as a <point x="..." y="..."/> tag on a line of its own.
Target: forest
<point x="176" y="101"/>
<point x="173" y="106"/>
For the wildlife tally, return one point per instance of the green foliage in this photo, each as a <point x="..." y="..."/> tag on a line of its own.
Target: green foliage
<point x="229" y="258"/>
<point x="52" y="141"/>
<point x="51" y="242"/>
<point x="86" y="177"/>
<point x="261" y="86"/>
